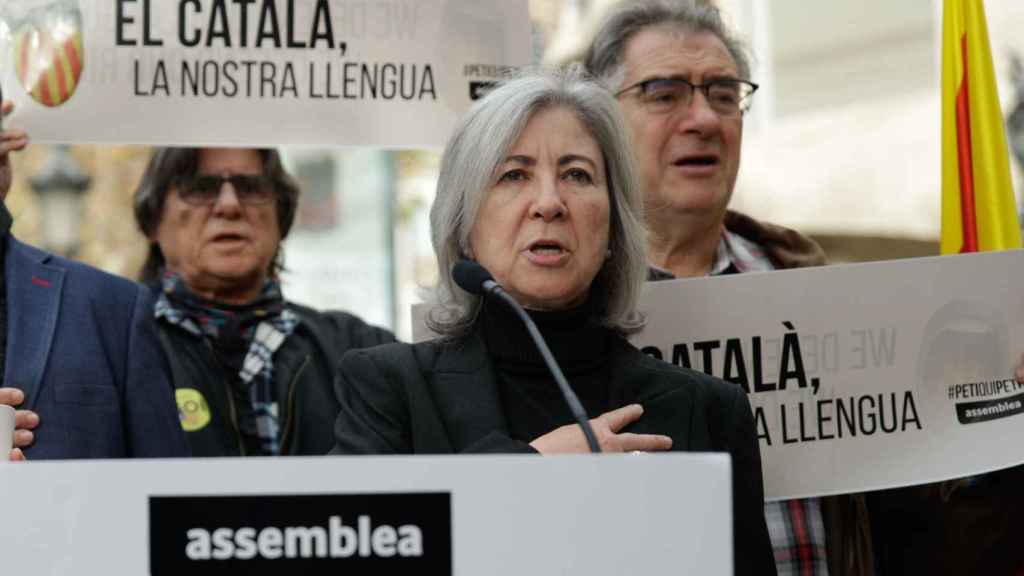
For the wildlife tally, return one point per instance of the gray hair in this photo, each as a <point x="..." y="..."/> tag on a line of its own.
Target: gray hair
<point x="604" y="57"/>
<point x="479" y="145"/>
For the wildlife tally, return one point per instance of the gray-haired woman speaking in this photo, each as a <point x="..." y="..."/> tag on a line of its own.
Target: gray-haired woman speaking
<point x="537" y="187"/>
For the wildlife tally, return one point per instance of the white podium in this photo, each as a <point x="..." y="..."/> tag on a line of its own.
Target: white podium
<point x="611" y="514"/>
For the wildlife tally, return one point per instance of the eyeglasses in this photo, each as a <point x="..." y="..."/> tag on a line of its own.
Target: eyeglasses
<point x="204" y="189"/>
<point x="728" y="97"/>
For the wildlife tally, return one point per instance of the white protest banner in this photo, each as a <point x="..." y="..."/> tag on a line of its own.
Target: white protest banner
<point x="861" y="376"/>
<point x="389" y="73"/>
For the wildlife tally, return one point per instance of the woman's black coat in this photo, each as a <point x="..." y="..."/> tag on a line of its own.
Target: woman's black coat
<point x="441" y="397"/>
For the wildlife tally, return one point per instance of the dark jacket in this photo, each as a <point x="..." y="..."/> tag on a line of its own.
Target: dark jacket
<point x="442" y="397"/>
<point x="969" y="526"/>
<point x="304" y="368"/>
<point x="81" y="345"/>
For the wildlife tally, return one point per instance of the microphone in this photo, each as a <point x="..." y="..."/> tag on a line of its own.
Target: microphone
<point x="475" y="279"/>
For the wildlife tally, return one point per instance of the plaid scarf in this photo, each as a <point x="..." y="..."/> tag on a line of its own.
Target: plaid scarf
<point x="245" y="338"/>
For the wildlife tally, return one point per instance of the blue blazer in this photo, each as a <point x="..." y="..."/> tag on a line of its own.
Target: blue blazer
<point x="81" y="345"/>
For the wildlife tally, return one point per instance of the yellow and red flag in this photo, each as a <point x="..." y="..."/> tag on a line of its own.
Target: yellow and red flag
<point x="979" y="211"/>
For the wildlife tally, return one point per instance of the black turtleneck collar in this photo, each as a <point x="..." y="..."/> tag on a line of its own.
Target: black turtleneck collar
<point x="577" y="341"/>
<point x="530" y="399"/>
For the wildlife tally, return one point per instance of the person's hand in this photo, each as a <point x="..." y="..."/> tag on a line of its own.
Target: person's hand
<point x="24" y="420"/>
<point x="785" y="247"/>
<point x="17" y="455"/>
<point x="10" y="140"/>
<point x="570" y="439"/>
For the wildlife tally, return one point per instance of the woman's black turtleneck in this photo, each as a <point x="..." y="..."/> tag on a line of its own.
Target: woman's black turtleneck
<point x="532" y="404"/>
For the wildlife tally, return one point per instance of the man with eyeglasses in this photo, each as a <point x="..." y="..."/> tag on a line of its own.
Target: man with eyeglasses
<point x="78" y="354"/>
<point x="253" y="373"/>
<point x="682" y="80"/>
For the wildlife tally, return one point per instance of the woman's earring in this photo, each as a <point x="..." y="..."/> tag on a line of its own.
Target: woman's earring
<point x="608" y="254"/>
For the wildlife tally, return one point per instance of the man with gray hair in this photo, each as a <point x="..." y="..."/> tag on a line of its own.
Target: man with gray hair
<point x="656" y="56"/>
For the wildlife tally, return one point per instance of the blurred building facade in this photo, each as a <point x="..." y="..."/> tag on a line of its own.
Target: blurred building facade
<point x="843" y="141"/>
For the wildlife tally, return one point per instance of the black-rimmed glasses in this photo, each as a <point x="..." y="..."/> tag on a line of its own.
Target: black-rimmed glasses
<point x="726" y="96"/>
<point x="204" y="189"/>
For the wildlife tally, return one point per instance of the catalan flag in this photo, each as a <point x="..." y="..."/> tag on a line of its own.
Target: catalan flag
<point x="48" y="54"/>
<point x="979" y="211"/>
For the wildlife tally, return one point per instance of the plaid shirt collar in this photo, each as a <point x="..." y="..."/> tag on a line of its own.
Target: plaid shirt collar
<point x="734" y="255"/>
<point x="737" y="255"/>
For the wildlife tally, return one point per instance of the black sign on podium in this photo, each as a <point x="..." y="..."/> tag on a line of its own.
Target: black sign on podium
<point x="406" y="533"/>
